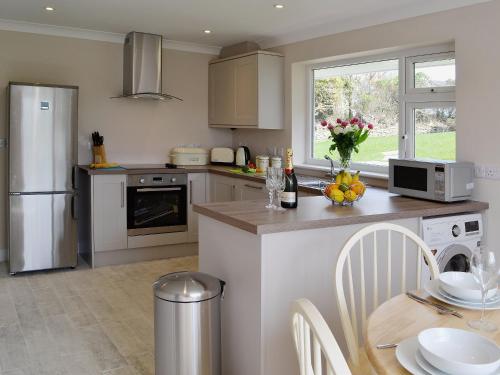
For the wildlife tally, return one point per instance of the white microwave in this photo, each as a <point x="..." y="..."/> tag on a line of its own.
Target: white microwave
<point x="437" y="180"/>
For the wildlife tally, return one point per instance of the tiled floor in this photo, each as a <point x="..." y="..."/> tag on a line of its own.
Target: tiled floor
<point x="79" y="322"/>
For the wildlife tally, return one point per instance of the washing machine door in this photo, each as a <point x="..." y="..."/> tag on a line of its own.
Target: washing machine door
<point x="455" y="257"/>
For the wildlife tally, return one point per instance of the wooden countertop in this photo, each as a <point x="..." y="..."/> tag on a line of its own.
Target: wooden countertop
<point x="143" y="168"/>
<point x="316" y="212"/>
<point x="160" y="168"/>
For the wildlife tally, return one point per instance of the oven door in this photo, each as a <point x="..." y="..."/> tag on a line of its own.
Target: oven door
<point x="156" y="209"/>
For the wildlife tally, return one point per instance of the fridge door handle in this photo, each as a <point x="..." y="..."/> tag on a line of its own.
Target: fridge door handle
<point x="74" y="177"/>
<point x="74" y="208"/>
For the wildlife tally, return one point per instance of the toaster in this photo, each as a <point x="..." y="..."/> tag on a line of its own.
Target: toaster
<point x="222" y="155"/>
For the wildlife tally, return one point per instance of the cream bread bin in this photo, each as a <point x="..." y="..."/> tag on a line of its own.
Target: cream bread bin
<point x="189" y="156"/>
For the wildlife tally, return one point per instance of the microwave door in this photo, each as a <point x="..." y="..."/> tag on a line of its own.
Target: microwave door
<point x="412" y="181"/>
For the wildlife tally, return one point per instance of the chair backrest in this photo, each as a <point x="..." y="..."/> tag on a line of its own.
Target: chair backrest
<point x="350" y="320"/>
<point x="317" y="350"/>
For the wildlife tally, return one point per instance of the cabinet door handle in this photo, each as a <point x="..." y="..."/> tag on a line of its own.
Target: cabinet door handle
<point x="190" y="192"/>
<point x="152" y="190"/>
<point x="253" y="187"/>
<point x="123" y="194"/>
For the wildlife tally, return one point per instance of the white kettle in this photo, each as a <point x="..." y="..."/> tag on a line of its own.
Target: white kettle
<point x="242" y="156"/>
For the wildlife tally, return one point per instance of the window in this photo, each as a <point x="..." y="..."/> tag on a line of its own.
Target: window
<point x="434" y="130"/>
<point x="409" y="96"/>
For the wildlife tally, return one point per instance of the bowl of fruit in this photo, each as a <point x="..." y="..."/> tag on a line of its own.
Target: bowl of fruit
<point x="346" y="189"/>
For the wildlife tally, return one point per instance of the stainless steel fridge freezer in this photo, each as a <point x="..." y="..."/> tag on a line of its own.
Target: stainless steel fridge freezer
<point x="42" y="191"/>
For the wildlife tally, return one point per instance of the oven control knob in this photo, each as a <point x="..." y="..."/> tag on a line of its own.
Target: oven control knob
<point x="142" y="180"/>
<point x="173" y="179"/>
<point x="455" y="231"/>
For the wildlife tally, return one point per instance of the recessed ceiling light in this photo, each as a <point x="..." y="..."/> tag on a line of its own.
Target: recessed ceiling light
<point x="49" y="9"/>
<point x="207" y="31"/>
<point x="279" y="6"/>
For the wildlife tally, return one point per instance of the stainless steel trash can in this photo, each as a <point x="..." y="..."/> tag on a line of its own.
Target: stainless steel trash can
<point x="187" y="324"/>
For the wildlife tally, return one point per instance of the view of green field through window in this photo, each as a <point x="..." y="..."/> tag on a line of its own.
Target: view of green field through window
<point x="370" y="91"/>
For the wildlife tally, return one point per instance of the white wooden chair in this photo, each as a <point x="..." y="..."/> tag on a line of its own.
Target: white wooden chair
<point x="317" y="350"/>
<point x="350" y="318"/>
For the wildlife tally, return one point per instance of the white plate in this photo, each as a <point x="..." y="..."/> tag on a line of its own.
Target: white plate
<point x="459" y="352"/>
<point x="426" y="365"/>
<point x="463" y="285"/>
<point x="432" y="287"/>
<point x="405" y="354"/>
<point x="489" y="301"/>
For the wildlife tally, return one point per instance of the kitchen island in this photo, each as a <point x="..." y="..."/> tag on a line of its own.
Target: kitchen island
<point x="269" y="258"/>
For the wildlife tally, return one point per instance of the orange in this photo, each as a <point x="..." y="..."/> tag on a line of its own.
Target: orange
<point x="358" y="187"/>
<point x="329" y="188"/>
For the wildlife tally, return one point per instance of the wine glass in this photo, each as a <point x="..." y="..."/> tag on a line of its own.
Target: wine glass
<point x="485" y="271"/>
<point x="270" y="186"/>
<point x="280" y="186"/>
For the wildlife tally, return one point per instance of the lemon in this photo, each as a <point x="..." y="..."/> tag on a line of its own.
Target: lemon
<point x="350" y="196"/>
<point x="336" y="195"/>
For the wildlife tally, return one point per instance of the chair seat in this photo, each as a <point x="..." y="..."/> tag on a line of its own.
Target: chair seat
<point x="365" y="367"/>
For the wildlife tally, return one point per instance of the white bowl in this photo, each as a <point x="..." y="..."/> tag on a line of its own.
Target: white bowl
<point x="459" y="352"/>
<point x="463" y="286"/>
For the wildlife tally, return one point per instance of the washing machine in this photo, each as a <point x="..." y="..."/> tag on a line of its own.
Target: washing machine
<point x="452" y="240"/>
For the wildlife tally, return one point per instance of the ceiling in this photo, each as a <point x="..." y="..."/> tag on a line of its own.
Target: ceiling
<point x="230" y="21"/>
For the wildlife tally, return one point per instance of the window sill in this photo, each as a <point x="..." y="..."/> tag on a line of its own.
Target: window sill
<point x="375" y="179"/>
<point x="380" y="176"/>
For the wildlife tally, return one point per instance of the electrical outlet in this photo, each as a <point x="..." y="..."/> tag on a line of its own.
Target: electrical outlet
<point x="3" y="142"/>
<point x="487" y="171"/>
<point x="491" y="173"/>
<point x="480" y="171"/>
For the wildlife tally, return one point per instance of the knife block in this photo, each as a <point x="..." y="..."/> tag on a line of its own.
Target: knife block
<point x="99" y="154"/>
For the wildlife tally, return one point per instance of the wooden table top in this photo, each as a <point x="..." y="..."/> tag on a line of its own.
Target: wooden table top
<point x="400" y="318"/>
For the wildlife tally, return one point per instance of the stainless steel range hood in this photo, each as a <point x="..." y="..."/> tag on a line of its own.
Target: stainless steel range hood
<point x="142" y="67"/>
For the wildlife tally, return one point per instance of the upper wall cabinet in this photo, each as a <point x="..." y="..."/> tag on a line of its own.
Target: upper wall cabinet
<point x="246" y="91"/>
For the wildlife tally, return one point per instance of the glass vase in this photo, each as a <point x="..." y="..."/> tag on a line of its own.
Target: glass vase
<point x="345" y="159"/>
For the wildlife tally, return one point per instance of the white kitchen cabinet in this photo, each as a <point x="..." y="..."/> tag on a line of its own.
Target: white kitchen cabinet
<point x="197" y="188"/>
<point x="222" y="188"/>
<point x="246" y="191"/>
<point x="109" y="212"/>
<point x="246" y="91"/>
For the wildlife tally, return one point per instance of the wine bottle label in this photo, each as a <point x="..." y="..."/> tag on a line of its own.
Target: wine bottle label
<point x="288" y="196"/>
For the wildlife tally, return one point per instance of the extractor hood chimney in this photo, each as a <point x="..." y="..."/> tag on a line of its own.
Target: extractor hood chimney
<point x="142" y="67"/>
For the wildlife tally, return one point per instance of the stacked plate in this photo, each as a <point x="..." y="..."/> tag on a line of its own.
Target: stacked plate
<point x="460" y="289"/>
<point x="446" y="351"/>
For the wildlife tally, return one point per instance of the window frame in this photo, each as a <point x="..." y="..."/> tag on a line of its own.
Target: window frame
<point x="406" y="58"/>
<point x="410" y="69"/>
<point x="410" y="119"/>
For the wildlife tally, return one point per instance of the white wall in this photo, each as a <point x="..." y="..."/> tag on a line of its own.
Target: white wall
<point x="476" y="33"/>
<point x="134" y="131"/>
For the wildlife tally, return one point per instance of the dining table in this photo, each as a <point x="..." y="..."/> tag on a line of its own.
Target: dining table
<point x="401" y="317"/>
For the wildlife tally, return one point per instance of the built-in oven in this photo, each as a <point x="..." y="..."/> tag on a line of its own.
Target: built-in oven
<point x="156" y="203"/>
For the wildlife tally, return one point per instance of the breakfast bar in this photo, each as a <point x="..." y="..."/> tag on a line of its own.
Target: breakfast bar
<point x="270" y="258"/>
